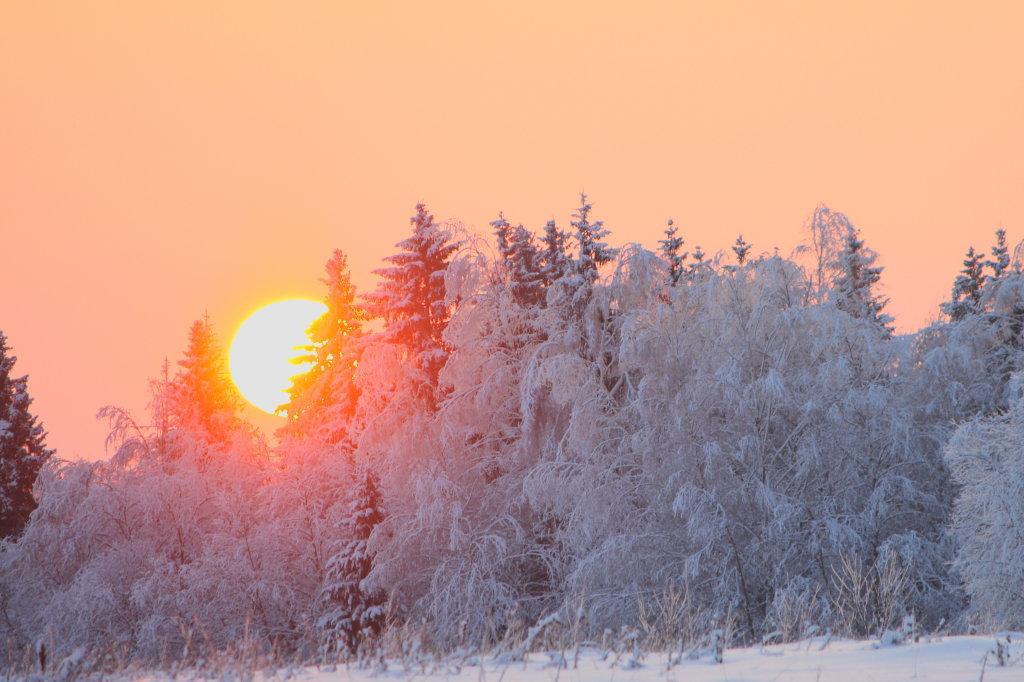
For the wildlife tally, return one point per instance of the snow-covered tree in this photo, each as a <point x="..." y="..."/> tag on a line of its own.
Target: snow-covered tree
<point x="447" y="478"/>
<point x="351" y="612"/>
<point x="967" y="288"/>
<point x="410" y="296"/>
<point x="986" y="458"/>
<point x="1000" y="261"/>
<point x="322" y="400"/>
<point x="521" y="261"/>
<point x="160" y="540"/>
<point x="554" y="254"/>
<point x="747" y="468"/>
<point x="202" y="396"/>
<point x="524" y="268"/>
<point x="854" y="287"/>
<point x="752" y="438"/>
<point x="670" y="249"/>
<point x="502" y="232"/>
<point x="23" y="450"/>
<point x="699" y="266"/>
<point x="593" y="252"/>
<point x="827" y="231"/>
<point x="742" y="249"/>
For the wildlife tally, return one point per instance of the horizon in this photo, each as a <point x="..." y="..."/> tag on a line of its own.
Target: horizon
<point x="165" y="161"/>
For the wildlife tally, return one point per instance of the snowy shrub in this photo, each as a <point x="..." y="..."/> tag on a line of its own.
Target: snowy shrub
<point x="798" y="610"/>
<point x="870" y="598"/>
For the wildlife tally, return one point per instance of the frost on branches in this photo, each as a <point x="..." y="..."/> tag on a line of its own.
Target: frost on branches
<point x="410" y="297"/>
<point x="351" y="613"/>
<point x="986" y="458"/>
<point x="564" y="431"/>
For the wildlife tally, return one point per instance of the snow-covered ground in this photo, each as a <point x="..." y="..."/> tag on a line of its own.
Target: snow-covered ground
<point x="950" y="659"/>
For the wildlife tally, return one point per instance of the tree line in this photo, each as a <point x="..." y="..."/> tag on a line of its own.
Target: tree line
<point x="546" y="424"/>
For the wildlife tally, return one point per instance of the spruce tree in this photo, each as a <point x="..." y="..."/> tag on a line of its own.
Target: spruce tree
<point x="331" y="347"/>
<point x="333" y="332"/>
<point x="593" y="251"/>
<point x="700" y="265"/>
<point x="742" y="249"/>
<point x="1006" y="310"/>
<point x="854" y="285"/>
<point x="23" y="450"/>
<point x="966" y="296"/>
<point x="203" y="397"/>
<point x="502" y="233"/>
<point x="410" y="296"/>
<point x="554" y="254"/>
<point x="524" y="268"/>
<point x="1000" y="256"/>
<point x="671" y="250"/>
<point x="521" y="260"/>
<point x="350" y="613"/>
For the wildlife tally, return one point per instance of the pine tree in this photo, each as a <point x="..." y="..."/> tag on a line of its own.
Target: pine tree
<point x="742" y="249"/>
<point x="554" y="254"/>
<point x="23" y="450"/>
<point x="410" y="297"/>
<point x="593" y="251"/>
<point x="671" y="250"/>
<point x="966" y="296"/>
<point x="857" y="276"/>
<point x="1000" y="256"/>
<point x="352" y="614"/>
<point x="331" y="338"/>
<point x="202" y="396"/>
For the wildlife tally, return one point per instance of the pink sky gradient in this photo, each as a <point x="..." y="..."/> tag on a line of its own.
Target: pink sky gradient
<point x="162" y="159"/>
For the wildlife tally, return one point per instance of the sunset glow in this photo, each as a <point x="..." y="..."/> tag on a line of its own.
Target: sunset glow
<point x="449" y="340"/>
<point x="272" y="133"/>
<point x="265" y="346"/>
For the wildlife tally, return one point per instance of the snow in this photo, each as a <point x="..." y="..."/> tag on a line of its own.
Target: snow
<point x="950" y="659"/>
<point x="744" y="450"/>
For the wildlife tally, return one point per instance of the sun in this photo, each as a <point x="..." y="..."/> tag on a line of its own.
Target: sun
<point x="264" y="347"/>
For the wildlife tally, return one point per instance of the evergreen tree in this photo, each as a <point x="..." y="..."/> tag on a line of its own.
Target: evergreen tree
<point x="742" y="249"/>
<point x="966" y="296"/>
<point x="700" y="265"/>
<point x="331" y="349"/>
<point x="352" y="614"/>
<point x="554" y="254"/>
<point x="1000" y="256"/>
<point x="671" y="250"/>
<point x="593" y="251"/>
<point x="524" y="267"/>
<point x="334" y="331"/>
<point x="853" y="288"/>
<point x="1003" y="300"/>
<point x="410" y="297"/>
<point x="521" y="260"/>
<point x="202" y="396"/>
<point x="23" y="449"/>
<point x="502" y="233"/>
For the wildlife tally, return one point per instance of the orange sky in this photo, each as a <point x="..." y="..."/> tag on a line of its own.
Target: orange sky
<point x="159" y="159"/>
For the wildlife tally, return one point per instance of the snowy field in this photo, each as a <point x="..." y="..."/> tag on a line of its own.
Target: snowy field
<point x="950" y="659"/>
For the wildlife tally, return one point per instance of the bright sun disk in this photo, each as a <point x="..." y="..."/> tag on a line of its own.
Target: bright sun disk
<point x="263" y="349"/>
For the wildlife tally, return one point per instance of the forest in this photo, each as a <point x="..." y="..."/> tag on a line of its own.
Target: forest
<point x="537" y="432"/>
